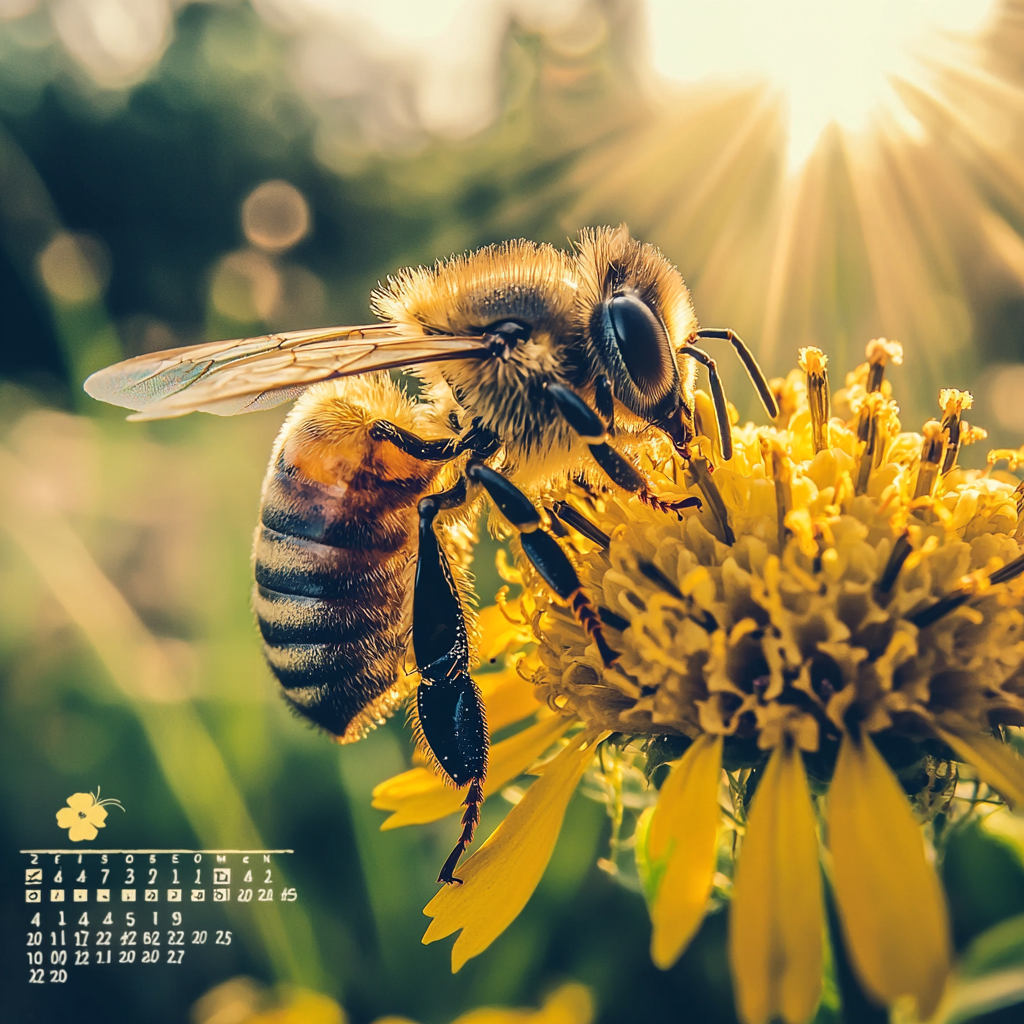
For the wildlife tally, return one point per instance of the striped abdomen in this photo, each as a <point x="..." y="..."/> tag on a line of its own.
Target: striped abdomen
<point x="334" y="560"/>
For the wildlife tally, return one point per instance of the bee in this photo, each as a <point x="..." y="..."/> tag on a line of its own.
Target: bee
<point x="537" y="366"/>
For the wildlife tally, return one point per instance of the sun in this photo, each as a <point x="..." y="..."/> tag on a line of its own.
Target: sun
<point x="833" y="59"/>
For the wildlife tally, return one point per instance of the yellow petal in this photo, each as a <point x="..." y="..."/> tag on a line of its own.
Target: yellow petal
<point x="419" y="796"/>
<point x="66" y="817"/>
<point x="996" y="764"/>
<point x="501" y="876"/>
<point x="80" y="830"/>
<point x="303" y="1007"/>
<point x="81" y="801"/>
<point x="498" y="633"/>
<point x="97" y="815"/>
<point x="570" y="1004"/>
<point x="777" y="917"/>
<point x="685" y="828"/>
<point x="508" y="698"/>
<point x="890" y="901"/>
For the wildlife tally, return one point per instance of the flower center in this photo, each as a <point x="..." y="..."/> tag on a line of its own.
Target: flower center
<point x="81" y="814"/>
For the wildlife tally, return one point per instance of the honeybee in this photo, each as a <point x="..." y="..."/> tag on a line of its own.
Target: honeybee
<point x="532" y="360"/>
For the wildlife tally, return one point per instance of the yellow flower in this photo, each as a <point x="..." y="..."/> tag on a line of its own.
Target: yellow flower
<point x="809" y="665"/>
<point x="244" y="1001"/>
<point x="569" y="1004"/>
<point x="84" y="815"/>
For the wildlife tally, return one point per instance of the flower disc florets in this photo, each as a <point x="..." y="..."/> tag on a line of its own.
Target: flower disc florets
<point x="820" y="615"/>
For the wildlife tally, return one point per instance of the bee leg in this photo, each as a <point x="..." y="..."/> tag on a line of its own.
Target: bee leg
<point x="604" y="396"/>
<point x="750" y="364"/>
<point x="588" y="425"/>
<point x="567" y="514"/>
<point x="450" y="714"/>
<point x="478" y="439"/>
<point x="432" y="450"/>
<point x="543" y="552"/>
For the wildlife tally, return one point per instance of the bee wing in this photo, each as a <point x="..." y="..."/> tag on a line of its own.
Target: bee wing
<point x="229" y="377"/>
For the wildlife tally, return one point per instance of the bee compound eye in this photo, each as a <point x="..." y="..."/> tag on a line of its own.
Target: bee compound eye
<point x="633" y="344"/>
<point x="643" y="344"/>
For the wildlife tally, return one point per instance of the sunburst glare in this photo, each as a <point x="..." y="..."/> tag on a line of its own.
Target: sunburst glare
<point x="902" y="216"/>
<point x="833" y="58"/>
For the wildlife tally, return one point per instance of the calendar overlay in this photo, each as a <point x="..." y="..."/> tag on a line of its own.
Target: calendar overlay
<point x="87" y="909"/>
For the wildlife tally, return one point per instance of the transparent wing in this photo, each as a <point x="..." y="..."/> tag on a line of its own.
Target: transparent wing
<point x="229" y="377"/>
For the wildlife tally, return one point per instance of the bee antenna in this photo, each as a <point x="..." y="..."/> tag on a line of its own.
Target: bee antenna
<point x="717" y="396"/>
<point x="750" y="364"/>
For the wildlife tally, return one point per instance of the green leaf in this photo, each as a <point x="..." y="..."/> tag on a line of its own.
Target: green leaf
<point x="1000" y="948"/>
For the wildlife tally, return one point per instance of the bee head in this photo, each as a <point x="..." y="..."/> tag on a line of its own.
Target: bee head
<point x="635" y="311"/>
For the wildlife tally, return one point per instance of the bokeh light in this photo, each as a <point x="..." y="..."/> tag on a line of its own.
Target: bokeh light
<point x="116" y="41"/>
<point x="275" y="216"/>
<point x="246" y="286"/>
<point x="74" y="267"/>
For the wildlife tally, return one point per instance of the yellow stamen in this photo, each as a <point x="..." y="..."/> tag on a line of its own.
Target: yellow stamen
<point x="879" y="352"/>
<point x="814" y="363"/>
<point x="868" y="431"/>
<point x="781" y="472"/>
<point x="931" y="459"/>
<point x="713" y="496"/>
<point x="953" y="404"/>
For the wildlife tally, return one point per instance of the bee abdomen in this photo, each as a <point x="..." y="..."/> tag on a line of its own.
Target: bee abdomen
<point x="300" y="567"/>
<point x="367" y="515"/>
<point x="295" y="619"/>
<point x="333" y="567"/>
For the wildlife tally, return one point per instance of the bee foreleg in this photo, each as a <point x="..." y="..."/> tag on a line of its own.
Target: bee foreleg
<point x="543" y="551"/>
<point x="586" y="423"/>
<point x="449" y="708"/>
<point x="754" y="371"/>
<point x="478" y="439"/>
<point x="578" y="521"/>
<point x="427" y="450"/>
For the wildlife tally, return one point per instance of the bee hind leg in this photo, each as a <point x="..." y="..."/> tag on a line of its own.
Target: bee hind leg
<point x="588" y="425"/>
<point x="543" y="551"/>
<point x="449" y="717"/>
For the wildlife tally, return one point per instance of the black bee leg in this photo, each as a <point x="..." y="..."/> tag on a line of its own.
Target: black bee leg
<point x="754" y="371"/>
<point x="567" y="514"/>
<point x="588" y="425"/>
<point x="450" y="716"/>
<point x="433" y="450"/>
<point x="604" y="397"/>
<point x="543" y="552"/>
<point x="477" y="439"/>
